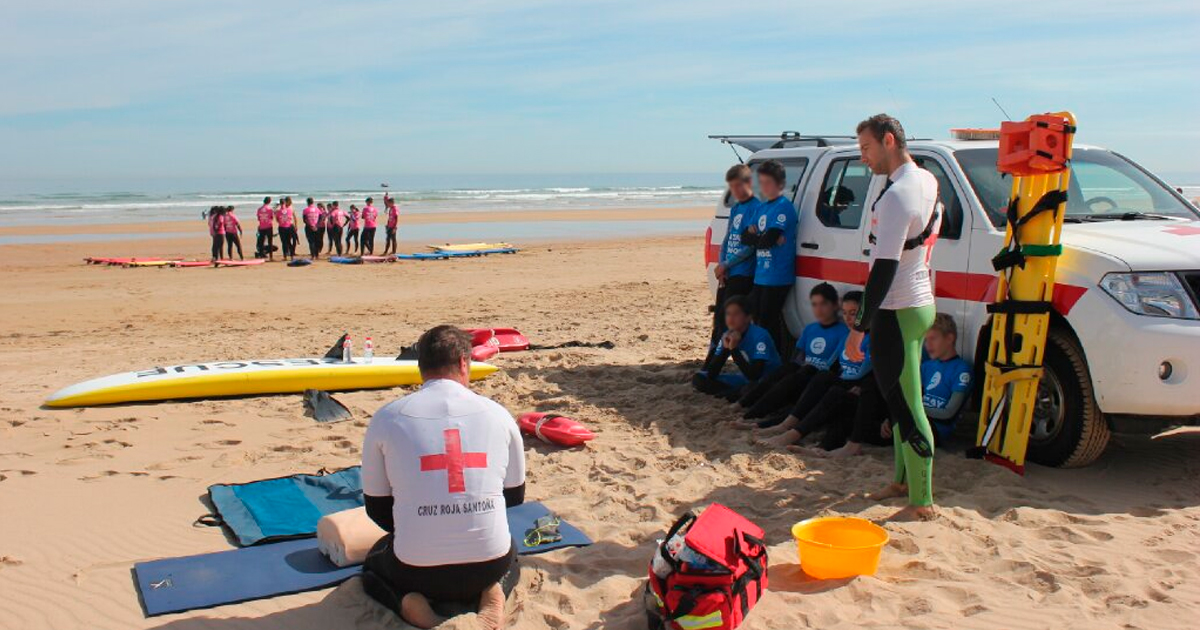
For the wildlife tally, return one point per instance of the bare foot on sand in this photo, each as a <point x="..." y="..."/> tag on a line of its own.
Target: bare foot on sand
<point x="491" y="608"/>
<point x="807" y="450"/>
<point x="891" y="491"/>
<point x="912" y="513"/>
<point x="780" y="441"/>
<point x="415" y="609"/>
<point x="742" y="425"/>
<point x="851" y="449"/>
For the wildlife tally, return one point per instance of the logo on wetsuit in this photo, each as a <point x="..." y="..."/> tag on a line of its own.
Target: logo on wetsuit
<point x="817" y="346"/>
<point x="935" y="380"/>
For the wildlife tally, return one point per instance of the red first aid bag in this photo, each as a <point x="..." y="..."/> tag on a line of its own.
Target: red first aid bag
<point x="717" y="592"/>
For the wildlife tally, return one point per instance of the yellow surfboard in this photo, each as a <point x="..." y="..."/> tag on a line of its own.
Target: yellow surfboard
<point x="245" y="378"/>
<point x="1037" y="152"/>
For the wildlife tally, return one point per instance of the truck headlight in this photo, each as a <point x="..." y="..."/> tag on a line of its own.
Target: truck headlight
<point x="1157" y="294"/>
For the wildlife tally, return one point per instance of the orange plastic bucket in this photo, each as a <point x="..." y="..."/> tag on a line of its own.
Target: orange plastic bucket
<point x="834" y="547"/>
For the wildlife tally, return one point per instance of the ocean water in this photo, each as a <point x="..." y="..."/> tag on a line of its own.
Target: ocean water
<point x="58" y="202"/>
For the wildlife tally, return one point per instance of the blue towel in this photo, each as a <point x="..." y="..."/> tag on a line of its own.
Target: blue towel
<point x="293" y="566"/>
<point x="286" y="507"/>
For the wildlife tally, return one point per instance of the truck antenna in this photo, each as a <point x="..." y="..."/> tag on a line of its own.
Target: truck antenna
<point x="1001" y="108"/>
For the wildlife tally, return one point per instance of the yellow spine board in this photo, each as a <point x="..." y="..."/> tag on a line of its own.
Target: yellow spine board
<point x="1012" y="391"/>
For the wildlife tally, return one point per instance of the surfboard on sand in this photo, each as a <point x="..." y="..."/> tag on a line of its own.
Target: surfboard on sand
<point x="246" y="378"/>
<point x="469" y="247"/>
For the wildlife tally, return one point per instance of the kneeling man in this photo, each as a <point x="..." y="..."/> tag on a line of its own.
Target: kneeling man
<point x="439" y="467"/>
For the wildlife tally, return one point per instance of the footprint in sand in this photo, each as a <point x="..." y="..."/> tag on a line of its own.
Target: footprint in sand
<point x="174" y="463"/>
<point x="113" y="473"/>
<point x="9" y="561"/>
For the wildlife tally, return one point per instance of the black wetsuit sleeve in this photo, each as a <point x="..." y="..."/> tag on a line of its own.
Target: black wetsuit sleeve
<point x="514" y="496"/>
<point x="750" y="239"/>
<point x="750" y="369"/>
<point x="713" y="368"/>
<point x="883" y="272"/>
<point x="380" y="511"/>
<point x="768" y="239"/>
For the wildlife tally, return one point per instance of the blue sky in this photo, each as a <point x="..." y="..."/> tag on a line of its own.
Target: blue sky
<point x="164" y="88"/>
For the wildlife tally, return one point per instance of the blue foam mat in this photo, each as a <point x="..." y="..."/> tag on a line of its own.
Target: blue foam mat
<point x="295" y="566"/>
<point x="286" y="507"/>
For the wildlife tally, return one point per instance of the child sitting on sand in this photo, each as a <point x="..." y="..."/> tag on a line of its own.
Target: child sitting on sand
<point x="833" y="397"/>
<point x="945" y="377"/>
<point x="816" y="351"/>
<point x="751" y="347"/>
<point x="946" y="385"/>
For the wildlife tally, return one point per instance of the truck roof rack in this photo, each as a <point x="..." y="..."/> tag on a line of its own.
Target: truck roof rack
<point x="787" y="139"/>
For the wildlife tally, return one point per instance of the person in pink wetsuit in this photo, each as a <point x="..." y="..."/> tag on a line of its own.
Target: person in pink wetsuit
<point x="370" y="217"/>
<point x="233" y="233"/>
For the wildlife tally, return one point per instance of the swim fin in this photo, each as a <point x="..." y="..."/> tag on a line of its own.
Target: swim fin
<point x="336" y="351"/>
<point x="325" y="408"/>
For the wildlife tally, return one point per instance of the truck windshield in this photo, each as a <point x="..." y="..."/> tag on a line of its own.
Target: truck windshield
<point x="1104" y="187"/>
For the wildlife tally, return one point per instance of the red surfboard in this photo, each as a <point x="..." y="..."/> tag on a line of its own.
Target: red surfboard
<point x="554" y="429"/>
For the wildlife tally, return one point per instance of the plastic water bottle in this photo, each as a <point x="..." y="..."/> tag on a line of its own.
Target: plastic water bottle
<point x="368" y="350"/>
<point x="346" y="350"/>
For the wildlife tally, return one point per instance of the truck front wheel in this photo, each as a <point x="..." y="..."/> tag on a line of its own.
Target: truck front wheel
<point x="1068" y="430"/>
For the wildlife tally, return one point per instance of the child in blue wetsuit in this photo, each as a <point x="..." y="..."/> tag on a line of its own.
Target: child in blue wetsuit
<point x="749" y="345"/>
<point x="816" y="351"/>
<point x="833" y="398"/>
<point x="945" y="377"/>
<point x="773" y="235"/>
<point x="735" y="267"/>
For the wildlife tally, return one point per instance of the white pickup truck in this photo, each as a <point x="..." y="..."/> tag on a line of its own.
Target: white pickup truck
<point x="1123" y="351"/>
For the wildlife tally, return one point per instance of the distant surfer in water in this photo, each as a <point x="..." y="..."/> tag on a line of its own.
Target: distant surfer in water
<point x="352" y="230"/>
<point x="393" y="220"/>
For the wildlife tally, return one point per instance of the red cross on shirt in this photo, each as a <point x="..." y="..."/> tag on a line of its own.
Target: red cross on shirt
<point x="453" y="461"/>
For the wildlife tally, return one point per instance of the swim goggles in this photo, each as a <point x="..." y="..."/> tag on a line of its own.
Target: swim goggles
<point x="544" y="532"/>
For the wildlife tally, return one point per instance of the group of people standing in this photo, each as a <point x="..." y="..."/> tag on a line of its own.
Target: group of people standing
<point x="327" y="228"/>
<point x="756" y="272"/>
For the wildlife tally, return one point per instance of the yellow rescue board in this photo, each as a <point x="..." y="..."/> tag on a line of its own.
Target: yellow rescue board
<point x="244" y="378"/>
<point x="469" y="247"/>
<point x="1026" y="266"/>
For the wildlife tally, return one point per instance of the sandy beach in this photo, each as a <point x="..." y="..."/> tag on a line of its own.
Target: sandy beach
<point x="87" y="493"/>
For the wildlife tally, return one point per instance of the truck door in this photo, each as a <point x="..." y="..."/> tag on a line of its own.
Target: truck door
<point x="832" y="211"/>
<point x="952" y="252"/>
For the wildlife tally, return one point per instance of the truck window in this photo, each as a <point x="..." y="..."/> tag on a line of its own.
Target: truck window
<point x="1104" y="186"/>
<point x="951" y="205"/>
<point x="844" y="194"/>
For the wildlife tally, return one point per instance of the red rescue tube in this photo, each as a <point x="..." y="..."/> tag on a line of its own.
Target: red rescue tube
<point x="483" y="344"/>
<point x="507" y="339"/>
<point x="554" y="429"/>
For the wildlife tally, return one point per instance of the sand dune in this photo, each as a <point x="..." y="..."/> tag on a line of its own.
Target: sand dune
<point x="86" y="493"/>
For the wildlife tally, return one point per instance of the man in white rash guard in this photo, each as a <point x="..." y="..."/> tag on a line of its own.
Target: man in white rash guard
<point x="439" y="468"/>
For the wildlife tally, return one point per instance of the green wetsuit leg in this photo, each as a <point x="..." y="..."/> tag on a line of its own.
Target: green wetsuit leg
<point x="896" y="338"/>
<point x="914" y="323"/>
